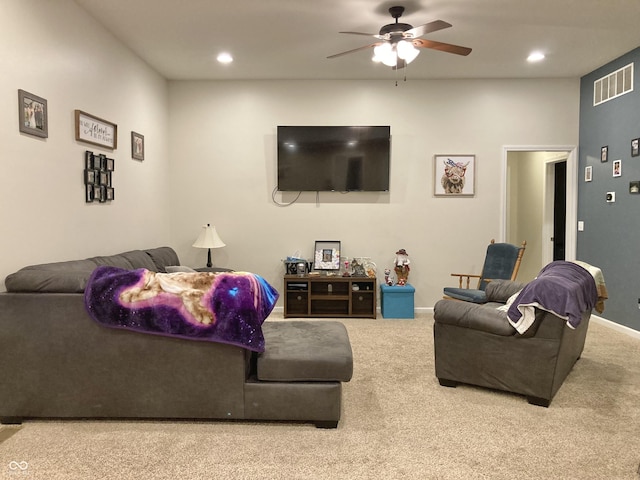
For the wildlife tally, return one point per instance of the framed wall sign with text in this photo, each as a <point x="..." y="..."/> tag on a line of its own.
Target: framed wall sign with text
<point x="96" y="131"/>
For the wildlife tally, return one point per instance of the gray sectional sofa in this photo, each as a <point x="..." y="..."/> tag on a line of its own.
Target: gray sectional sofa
<point x="56" y="362"/>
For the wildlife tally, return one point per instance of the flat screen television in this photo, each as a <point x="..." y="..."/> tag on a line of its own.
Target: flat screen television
<point x="334" y="158"/>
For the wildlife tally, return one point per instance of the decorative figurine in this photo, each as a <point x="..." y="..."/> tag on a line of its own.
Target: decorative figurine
<point x="346" y="269"/>
<point x="401" y="266"/>
<point x="358" y="268"/>
<point x="387" y="277"/>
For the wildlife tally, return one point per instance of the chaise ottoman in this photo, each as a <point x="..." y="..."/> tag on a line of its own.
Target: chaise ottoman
<point x="302" y="370"/>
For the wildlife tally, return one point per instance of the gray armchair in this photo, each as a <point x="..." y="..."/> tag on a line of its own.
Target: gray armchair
<point x="476" y="344"/>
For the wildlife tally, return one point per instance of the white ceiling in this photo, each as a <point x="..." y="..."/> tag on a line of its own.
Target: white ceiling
<point x="290" y="39"/>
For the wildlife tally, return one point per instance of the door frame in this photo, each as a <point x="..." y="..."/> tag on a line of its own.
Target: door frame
<point x="572" y="193"/>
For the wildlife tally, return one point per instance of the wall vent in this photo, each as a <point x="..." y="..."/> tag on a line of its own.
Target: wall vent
<point x="613" y="85"/>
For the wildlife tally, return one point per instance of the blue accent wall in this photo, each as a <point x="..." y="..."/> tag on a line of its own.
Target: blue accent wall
<point x="611" y="236"/>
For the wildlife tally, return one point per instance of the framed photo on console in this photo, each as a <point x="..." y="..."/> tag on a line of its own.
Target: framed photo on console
<point x="326" y="255"/>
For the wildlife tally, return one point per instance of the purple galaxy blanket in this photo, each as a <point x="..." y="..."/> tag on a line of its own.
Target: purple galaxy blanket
<point x="227" y="307"/>
<point x="562" y="288"/>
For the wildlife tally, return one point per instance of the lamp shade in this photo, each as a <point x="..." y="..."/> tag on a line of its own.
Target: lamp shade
<point x="208" y="238"/>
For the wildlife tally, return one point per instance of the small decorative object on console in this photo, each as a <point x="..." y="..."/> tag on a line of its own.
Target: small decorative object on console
<point x="401" y="266"/>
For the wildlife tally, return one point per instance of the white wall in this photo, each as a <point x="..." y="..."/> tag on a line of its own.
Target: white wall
<point x="211" y="146"/>
<point x="58" y="52"/>
<point x="223" y="159"/>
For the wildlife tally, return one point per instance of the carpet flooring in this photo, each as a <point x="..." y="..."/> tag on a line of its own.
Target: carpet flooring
<point x="397" y="423"/>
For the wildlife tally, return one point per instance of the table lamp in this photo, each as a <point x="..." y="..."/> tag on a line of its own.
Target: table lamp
<point x="208" y="239"/>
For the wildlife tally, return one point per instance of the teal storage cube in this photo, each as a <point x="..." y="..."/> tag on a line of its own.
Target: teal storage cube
<point x="397" y="301"/>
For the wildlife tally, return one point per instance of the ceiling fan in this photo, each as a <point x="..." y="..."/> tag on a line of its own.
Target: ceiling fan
<point x="400" y="41"/>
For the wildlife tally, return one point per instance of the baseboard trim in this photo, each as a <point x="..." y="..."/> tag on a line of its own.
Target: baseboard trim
<point x="595" y="318"/>
<point x="616" y="326"/>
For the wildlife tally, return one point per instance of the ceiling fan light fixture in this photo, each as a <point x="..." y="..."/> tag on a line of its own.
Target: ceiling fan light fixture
<point x="386" y="54"/>
<point x="406" y="51"/>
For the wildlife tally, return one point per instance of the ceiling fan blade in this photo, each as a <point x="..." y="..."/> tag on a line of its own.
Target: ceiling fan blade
<point x="354" y="50"/>
<point x="426" y="28"/>
<point x="443" y="47"/>
<point x="365" y="34"/>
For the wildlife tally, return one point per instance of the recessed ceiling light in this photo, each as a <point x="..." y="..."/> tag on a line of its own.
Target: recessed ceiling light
<point x="535" y="57"/>
<point x="225" y="57"/>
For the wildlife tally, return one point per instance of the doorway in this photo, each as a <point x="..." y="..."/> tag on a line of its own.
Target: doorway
<point x="540" y="198"/>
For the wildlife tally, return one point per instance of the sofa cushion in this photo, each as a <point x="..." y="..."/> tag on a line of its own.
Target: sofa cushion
<point x="485" y="318"/>
<point x="58" y="277"/>
<point x="163" y="257"/>
<point x="502" y="290"/>
<point x="119" y="261"/>
<point x="298" y="351"/>
<point x="466" y="294"/>
<point x="139" y="259"/>
<point x="179" y="268"/>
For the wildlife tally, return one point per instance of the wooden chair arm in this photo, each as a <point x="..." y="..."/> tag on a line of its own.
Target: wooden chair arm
<point x="468" y="276"/>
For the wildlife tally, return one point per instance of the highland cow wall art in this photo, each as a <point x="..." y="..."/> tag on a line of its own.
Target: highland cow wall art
<point x="454" y="175"/>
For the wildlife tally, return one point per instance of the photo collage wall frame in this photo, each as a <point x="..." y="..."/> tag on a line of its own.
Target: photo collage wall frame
<point x="98" y="177"/>
<point x="616" y="170"/>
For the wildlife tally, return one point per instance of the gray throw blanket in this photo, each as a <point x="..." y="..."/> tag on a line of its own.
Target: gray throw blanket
<point x="562" y="288"/>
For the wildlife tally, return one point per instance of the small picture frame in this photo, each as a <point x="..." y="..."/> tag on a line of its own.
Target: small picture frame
<point x="88" y="160"/>
<point x="635" y="147"/>
<point x="634" y="187"/>
<point x="89" y="177"/>
<point x="137" y="146"/>
<point x="88" y="193"/>
<point x="326" y="255"/>
<point x="33" y="114"/>
<point x="617" y="168"/>
<point x="588" y="173"/>
<point x="454" y="175"/>
<point x="604" y="153"/>
<point x="110" y="194"/>
<point x="109" y="164"/>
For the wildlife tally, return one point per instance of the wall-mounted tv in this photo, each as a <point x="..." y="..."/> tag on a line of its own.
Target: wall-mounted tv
<point x="334" y="158"/>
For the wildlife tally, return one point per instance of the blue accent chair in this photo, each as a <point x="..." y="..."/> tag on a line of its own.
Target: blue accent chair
<point x="502" y="262"/>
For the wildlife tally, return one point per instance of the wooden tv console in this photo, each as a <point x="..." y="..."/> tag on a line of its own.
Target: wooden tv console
<point x="329" y="296"/>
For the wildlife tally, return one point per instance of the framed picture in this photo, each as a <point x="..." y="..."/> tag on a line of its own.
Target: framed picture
<point x="88" y="193"/>
<point x="109" y="164"/>
<point x="89" y="177"/>
<point x="588" y="173"/>
<point x="88" y="160"/>
<point x="604" y="153"/>
<point x="327" y="255"/>
<point x="634" y="187"/>
<point x="454" y="175"/>
<point x="96" y="131"/>
<point x="110" y="194"/>
<point x="635" y="147"/>
<point x="33" y="114"/>
<point x="617" y="168"/>
<point x="137" y="146"/>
